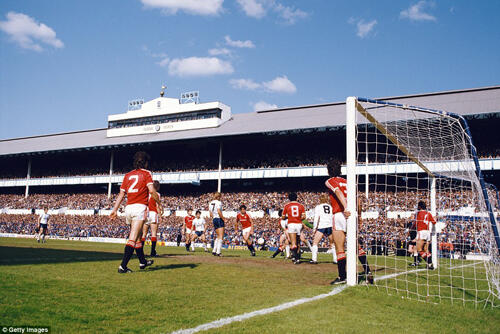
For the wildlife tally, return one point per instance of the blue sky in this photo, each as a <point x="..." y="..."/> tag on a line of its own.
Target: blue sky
<point x="66" y="65"/>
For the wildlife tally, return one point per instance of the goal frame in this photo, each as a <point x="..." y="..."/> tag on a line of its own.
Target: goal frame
<point x="352" y="108"/>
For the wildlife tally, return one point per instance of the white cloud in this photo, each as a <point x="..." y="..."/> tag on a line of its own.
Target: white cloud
<point x="259" y="8"/>
<point x="277" y="85"/>
<point x="195" y="7"/>
<point x="28" y="33"/>
<point x="262" y="105"/>
<point x="290" y="14"/>
<point x="364" y="28"/>
<point x="199" y="66"/>
<point x="416" y="12"/>
<point x="248" y="84"/>
<point x="252" y="8"/>
<point x="239" y="44"/>
<point x="280" y="85"/>
<point x="219" y="52"/>
<point x="164" y="62"/>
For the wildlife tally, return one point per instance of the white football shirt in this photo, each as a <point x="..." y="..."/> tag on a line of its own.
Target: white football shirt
<point x="199" y="224"/>
<point x="214" y="208"/>
<point x="323" y="216"/>
<point x="44" y="218"/>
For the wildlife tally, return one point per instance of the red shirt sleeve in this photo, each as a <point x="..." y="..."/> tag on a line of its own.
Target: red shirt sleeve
<point x="332" y="184"/>
<point x="149" y="178"/>
<point x="125" y="184"/>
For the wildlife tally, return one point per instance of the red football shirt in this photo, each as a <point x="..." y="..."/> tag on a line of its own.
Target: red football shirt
<point x="152" y="205"/>
<point x="244" y="220"/>
<point x="333" y="184"/>
<point x="188" y="220"/>
<point x="294" y="211"/>
<point x="135" y="184"/>
<point x="423" y="220"/>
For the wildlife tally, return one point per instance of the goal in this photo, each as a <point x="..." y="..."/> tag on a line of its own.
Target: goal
<point x="397" y="156"/>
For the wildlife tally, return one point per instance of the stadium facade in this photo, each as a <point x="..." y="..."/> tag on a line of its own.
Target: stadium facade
<point x="258" y="149"/>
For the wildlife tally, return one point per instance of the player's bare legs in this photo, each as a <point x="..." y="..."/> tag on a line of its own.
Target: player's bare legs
<point x="247" y="238"/>
<point x="220" y="236"/>
<point x="339" y="241"/>
<point x="314" y="249"/>
<point x="283" y="245"/>
<point x="154" y="232"/>
<point x="293" y="245"/>
<point x="204" y="241"/>
<point x="40" y="231"/>
<point x="145" y="229"/>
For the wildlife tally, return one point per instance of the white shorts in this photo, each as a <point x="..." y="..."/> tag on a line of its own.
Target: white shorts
<point x="340" y="222"/>
<point x="294" y="228"/>
<point x="424" y="235"/>
<point x="135" y="212"/>
<point x="152" y="218"/>
<point x="189" y="231"/>
<point x="246" y="230"/>
<point x="284" y="225"/>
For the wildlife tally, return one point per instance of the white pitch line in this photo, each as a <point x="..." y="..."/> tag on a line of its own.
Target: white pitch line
<point x="281" y="307"/>
<point x="244" y="316"/>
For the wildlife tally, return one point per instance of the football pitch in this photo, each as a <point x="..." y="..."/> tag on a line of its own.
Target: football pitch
<point x="73" y="287"/>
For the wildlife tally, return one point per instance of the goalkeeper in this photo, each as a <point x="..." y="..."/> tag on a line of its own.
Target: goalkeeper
<point x="337" y="189"/>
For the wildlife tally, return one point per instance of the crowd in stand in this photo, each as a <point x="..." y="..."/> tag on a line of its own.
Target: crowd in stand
<point x="380" y="233"/>
<point x="255" y="201"/>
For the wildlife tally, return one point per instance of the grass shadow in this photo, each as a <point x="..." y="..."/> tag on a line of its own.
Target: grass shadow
<point x="35" y="255"/>
<point x="173" y="266"/>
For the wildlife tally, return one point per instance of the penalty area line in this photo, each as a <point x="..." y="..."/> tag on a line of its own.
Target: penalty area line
<point x="281" y="307"/>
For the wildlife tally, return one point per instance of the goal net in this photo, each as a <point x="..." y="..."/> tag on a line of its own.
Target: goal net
<point x="398" y="156"/>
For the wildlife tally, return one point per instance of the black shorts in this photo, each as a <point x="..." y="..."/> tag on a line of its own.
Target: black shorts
<point x="43" y="227"/>
<point x="199" y="233"/>
<point x="412" y="243"/>
<point x="218" y="223"/>
<point x="326" y="231"/>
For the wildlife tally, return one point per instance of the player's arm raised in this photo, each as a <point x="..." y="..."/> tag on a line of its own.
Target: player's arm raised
<point x="118" y="202"/>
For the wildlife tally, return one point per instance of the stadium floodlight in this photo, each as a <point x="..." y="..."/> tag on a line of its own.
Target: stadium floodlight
<point x="190" y="97"/>
<point x="135" y="104"/>
<point x="436" y="162"/>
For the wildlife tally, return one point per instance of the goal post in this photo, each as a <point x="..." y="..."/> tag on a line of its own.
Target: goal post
<point x="417" y="154"/>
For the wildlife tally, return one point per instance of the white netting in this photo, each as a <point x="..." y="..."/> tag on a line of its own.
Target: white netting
<point x="400" y="151"/>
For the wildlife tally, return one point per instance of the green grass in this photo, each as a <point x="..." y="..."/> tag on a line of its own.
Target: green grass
<point x="73" y="287"/>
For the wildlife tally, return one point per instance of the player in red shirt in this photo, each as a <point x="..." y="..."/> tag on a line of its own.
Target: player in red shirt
<point x="246" y="227"/>
<point x="423" y="223"/>
<point x="153" y="220"/>
<point x="295" y="213"/>
<point x="337" y="190"/>
<point x="138" y="186"/>
<point x="187" y="229"/>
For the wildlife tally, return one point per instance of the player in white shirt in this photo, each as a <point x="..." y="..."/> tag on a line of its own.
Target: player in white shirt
<point x="323" y="225"/>
<point x="43" y="225"/>
<point x="215" y="209"/>
<point x="199" y="230"/>
<point x="284" y="241"/>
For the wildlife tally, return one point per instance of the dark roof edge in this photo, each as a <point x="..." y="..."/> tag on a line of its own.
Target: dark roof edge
<point x="446" y="92"/>
<point x="52" y="134"/>
<point x="288" y="108"/>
